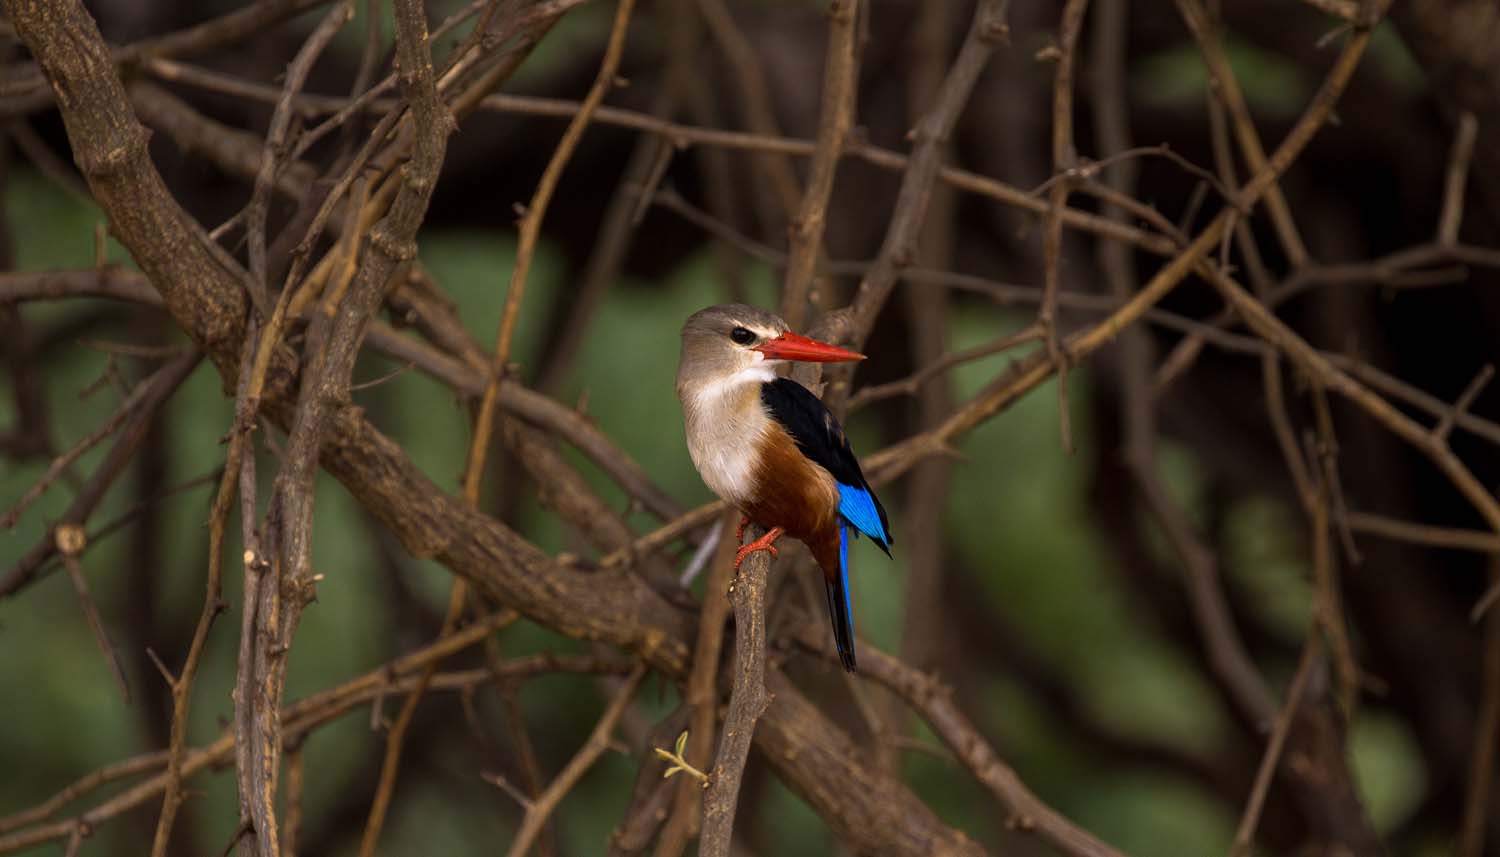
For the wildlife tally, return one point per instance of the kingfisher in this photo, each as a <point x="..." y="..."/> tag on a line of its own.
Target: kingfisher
<point x="769" y="447"/>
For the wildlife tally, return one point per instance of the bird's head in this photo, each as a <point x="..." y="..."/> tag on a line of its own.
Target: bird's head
<point x="729" y="341"/>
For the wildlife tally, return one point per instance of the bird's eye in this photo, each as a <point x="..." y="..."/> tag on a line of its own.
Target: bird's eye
<point x="742" y="336"/>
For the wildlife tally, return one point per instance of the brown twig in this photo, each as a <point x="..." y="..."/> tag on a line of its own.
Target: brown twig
<point x="1313" y="364"/>
<point x="144" y="399"/>
<point x="1465" y="400"/>
<point x="1458" y="174"/>
<point x="277" y="142"/>
<point x="933" y="700"/>
<point x="474" y="471"/>
<point x="835" y="116"/>
<point x="69" y="544"/>
<point x="299" y="718"/>
<point x="530" y="230"/>
<point x="333" y="347"/>
<point x="92" y="492"/>
<point x="702" y="689"/>
<point x="1032" y="372"/>
<point x="775" y="198"/>
<point x="1245" y="834"/>
<point x="913" y="383"/>
<point x="1064" y="157"/>
<point x="598" y="741"/>
<point x="748" y="700"/>
<point x="899" y="248"/>
<point x="213" y="604"/>
<point x="683" y="135"/>
<point x="390" y="765"/>
<point x="1328" y="607"/>
<point x="650" y="156"/>
<point x="291" y="828"/>
<point x="1228" y="89"/>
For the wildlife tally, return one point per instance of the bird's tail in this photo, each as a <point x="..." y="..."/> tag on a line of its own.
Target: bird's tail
<point x="838" y="603"/>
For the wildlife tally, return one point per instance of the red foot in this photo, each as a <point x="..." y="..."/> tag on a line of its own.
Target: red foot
<point x="739" y="533"/>
<point x="764" y="543"/>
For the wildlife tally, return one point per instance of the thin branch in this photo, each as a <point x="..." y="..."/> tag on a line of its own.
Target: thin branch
<point x="1456" y="178"/>
<point x="277" y="142"/>
<point x="702" y="694"/>
<point x="898" y="250"/>
<point x="933" y="700"/>
<point x="1064" y="157"/>
<point x="1228" y="89"/>
<point x="69" y="544"/>
<point x="747" y="702"/>
<point x="835" y="116"/>
<point x="299" y="718"/>
<point x="598" y="741"/>
<point x="1465" y="400"/>
<point x="213" y="604"/>
<point x="530" y="231"/>
<point x="142" y="403"/>
<point x="1245" y="834"/>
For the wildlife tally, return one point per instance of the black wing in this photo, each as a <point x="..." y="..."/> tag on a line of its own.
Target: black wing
<point x="820" y="437"/>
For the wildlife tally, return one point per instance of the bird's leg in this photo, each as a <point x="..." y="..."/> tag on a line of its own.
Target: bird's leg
<point x="766" y="542"/>
<point x="739" y="533"/>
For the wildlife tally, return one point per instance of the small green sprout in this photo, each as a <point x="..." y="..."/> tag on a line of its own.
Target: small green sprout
<point x="678" y="762"/>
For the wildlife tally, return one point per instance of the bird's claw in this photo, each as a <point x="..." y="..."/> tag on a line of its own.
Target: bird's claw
<point x="764" y="543"/>
<point x="739" y="533"/>
<point x="741" y="554"/>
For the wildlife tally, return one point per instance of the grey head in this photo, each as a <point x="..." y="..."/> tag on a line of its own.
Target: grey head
<point x="719" y="343"/>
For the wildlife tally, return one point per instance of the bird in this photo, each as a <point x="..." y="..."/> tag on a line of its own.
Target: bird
<point x="767" y="446"/>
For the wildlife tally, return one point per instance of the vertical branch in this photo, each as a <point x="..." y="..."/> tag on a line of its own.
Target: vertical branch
<point x="1064" y="159"/>
<point x="292" y="828"/>
<point x="775" y="198"/>
<point x="925" y="633"/>
<point x="1228" y="88"/>
<point x="1244" y="835"/>
<point x="277" y="142"/>
<point x="648" y="161"/>
<point x="395" y="739"/>
<point x="598" y="742"/>
<point x="840" y="82"/>
<point x="899" y="248"/>
<point x="1458" y="175"/>
<point x="70" y="541"/>
<point x="747" y="702"/>
<point x="530" y="232"/>
<point x="702" y="690"/>
<point x="531" y="226"/>
<point x="1478" y="798"/>
<point x="213" y="605"/>
<point x="286" y="583"/>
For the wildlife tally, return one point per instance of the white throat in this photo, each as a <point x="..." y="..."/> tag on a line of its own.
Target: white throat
<point x="725" y="420"/>
<point x="709" y="394"/>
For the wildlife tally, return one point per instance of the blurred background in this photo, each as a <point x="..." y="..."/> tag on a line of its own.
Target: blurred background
<point x="1038" y="584"/>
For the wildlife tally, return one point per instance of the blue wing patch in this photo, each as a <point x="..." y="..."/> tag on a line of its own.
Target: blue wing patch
<point x="857" y="506"/>
<point x="819" y="437"/>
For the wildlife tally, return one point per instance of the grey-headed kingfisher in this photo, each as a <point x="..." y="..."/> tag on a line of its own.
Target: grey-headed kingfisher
<point x="767" y="446"/>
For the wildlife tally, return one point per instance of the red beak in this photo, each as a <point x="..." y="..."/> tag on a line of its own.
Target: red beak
<point x="790" y="346"/>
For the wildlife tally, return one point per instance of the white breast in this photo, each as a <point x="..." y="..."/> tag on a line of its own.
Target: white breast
<point x="725" y="421"/>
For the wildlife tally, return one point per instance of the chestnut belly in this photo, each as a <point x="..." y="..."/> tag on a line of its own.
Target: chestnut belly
<point x="790" y="491"/>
